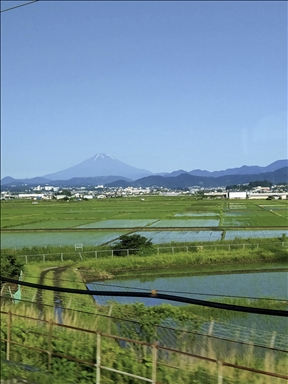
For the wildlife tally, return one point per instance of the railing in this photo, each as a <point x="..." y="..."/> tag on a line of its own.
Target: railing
<point x="61" y="256"/>
<point x="214" y="329"/>
<point x="152" y="357"/>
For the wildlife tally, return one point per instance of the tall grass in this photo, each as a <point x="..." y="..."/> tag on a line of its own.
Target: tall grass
<point x="126" y="265"/>
<point x="172" y="368"/>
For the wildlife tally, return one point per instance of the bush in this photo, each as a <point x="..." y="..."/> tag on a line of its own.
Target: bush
<point x="134" y="243"/>
<point x="10" y="265"/>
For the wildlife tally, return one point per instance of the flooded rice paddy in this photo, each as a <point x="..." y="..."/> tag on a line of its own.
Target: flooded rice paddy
<point x="162" y="219"/>
<point x="253" y="285"/>
<point x="97" y="238"/>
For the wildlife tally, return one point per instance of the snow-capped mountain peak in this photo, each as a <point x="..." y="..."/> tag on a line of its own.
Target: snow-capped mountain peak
<point x="103" y="156"/>
<point x="99" y="165"/>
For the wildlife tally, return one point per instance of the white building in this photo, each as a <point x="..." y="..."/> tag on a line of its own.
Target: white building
<point x="87" y="197"/>
<point x="35" y="196"/>
<point x="38" y="188"/>
<point x="237" y="195"/>
<point x="60" y="197"/>
<point x="263" y="195"/>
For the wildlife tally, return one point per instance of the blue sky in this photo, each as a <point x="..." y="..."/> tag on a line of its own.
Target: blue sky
<point x="158" y="85"/>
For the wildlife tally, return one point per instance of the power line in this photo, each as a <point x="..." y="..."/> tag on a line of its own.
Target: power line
<point x="100" y="284"/>
<point x="190" y="293"/>
<point x="18" y="6"/>
<point x="154" y="294"/>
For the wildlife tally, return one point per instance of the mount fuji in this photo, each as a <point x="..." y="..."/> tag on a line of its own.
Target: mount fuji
<point x="103" y="169"/>
<point x="99" y="165"/>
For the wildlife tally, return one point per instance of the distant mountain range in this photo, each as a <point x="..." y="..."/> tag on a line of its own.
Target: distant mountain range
<point x="186" y="180"/>
<point x="99" y="165"/>
<point x="103" y="169"/>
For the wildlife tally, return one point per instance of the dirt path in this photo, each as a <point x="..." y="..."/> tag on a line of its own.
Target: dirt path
<point x="57" y="297"/>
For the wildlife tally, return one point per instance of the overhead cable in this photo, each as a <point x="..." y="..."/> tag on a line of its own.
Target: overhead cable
<point x="153" y="294"/>
<point x="18" y="6"/>
<point x="101" y="284"/>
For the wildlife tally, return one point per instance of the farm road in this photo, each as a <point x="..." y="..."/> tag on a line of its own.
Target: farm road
<point x="57" y="298"/>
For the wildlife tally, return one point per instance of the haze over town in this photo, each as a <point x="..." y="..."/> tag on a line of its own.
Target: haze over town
<point x="159" y="85"/>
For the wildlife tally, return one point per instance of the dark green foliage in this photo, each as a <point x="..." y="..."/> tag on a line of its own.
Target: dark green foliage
<point x="136" y="244"/>
<point x="64" y="192"/>
<point x="10" y="265"/>
<point x="148" y="319"/>
<point x="251" y="185"/>
<point x="263" y="183"/>
<point x="238" y="187"/>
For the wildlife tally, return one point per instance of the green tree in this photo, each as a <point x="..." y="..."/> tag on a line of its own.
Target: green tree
<point x="134" y="243"/>
<point x="261" y="183"/>
<point x="10" y="266"/>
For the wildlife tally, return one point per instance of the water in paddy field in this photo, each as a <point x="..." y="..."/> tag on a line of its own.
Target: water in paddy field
<point x="205" y="287"/>
<point x="30" y="239"/>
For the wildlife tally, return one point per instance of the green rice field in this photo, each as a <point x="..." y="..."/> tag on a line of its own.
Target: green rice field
<point x="163" y="219"/>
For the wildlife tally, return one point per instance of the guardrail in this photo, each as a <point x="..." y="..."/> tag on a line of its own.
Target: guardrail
<point x="152" y="355"/>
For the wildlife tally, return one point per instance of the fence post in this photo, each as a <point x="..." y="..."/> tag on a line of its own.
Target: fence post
<point x="154" y="362"/>
<point x="98" y="358"/>
<point x="273" y="339"/>
<point x="109" y="321"/>
<point x="112" y="253"/>
<point x="127" y="252"/>
<point x="172" y="250"/>
<point x="43" y="258"/>
<point x="11" y="294"/>
<point x="95" y="254"/>
<point x="243" y="246"/>
<point x="50" y="330"/>
<point x="61" y="256"/>
<point x="9" y="322"/>
<point x="220" y="371"/>
<point x="26" y="259"/>
<point x="211" y="328"/>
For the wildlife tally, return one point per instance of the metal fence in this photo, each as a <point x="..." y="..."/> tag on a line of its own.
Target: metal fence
<point x="150" y="359"/>
<point x="104" y="253"/>
<point x="166" y="334"/>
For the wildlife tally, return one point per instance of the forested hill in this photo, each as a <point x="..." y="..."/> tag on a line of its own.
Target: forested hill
<point x="186" y="180"/>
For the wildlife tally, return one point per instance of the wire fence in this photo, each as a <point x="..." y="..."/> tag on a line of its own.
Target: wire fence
<point x="192" y="355"/>
<point x="214" y="352"/>
<point x="105" y="253"/>
<point x="165" y="334"/>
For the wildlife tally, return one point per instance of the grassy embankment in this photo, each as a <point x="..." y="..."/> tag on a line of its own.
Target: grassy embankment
<point x="206" y="259"/>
